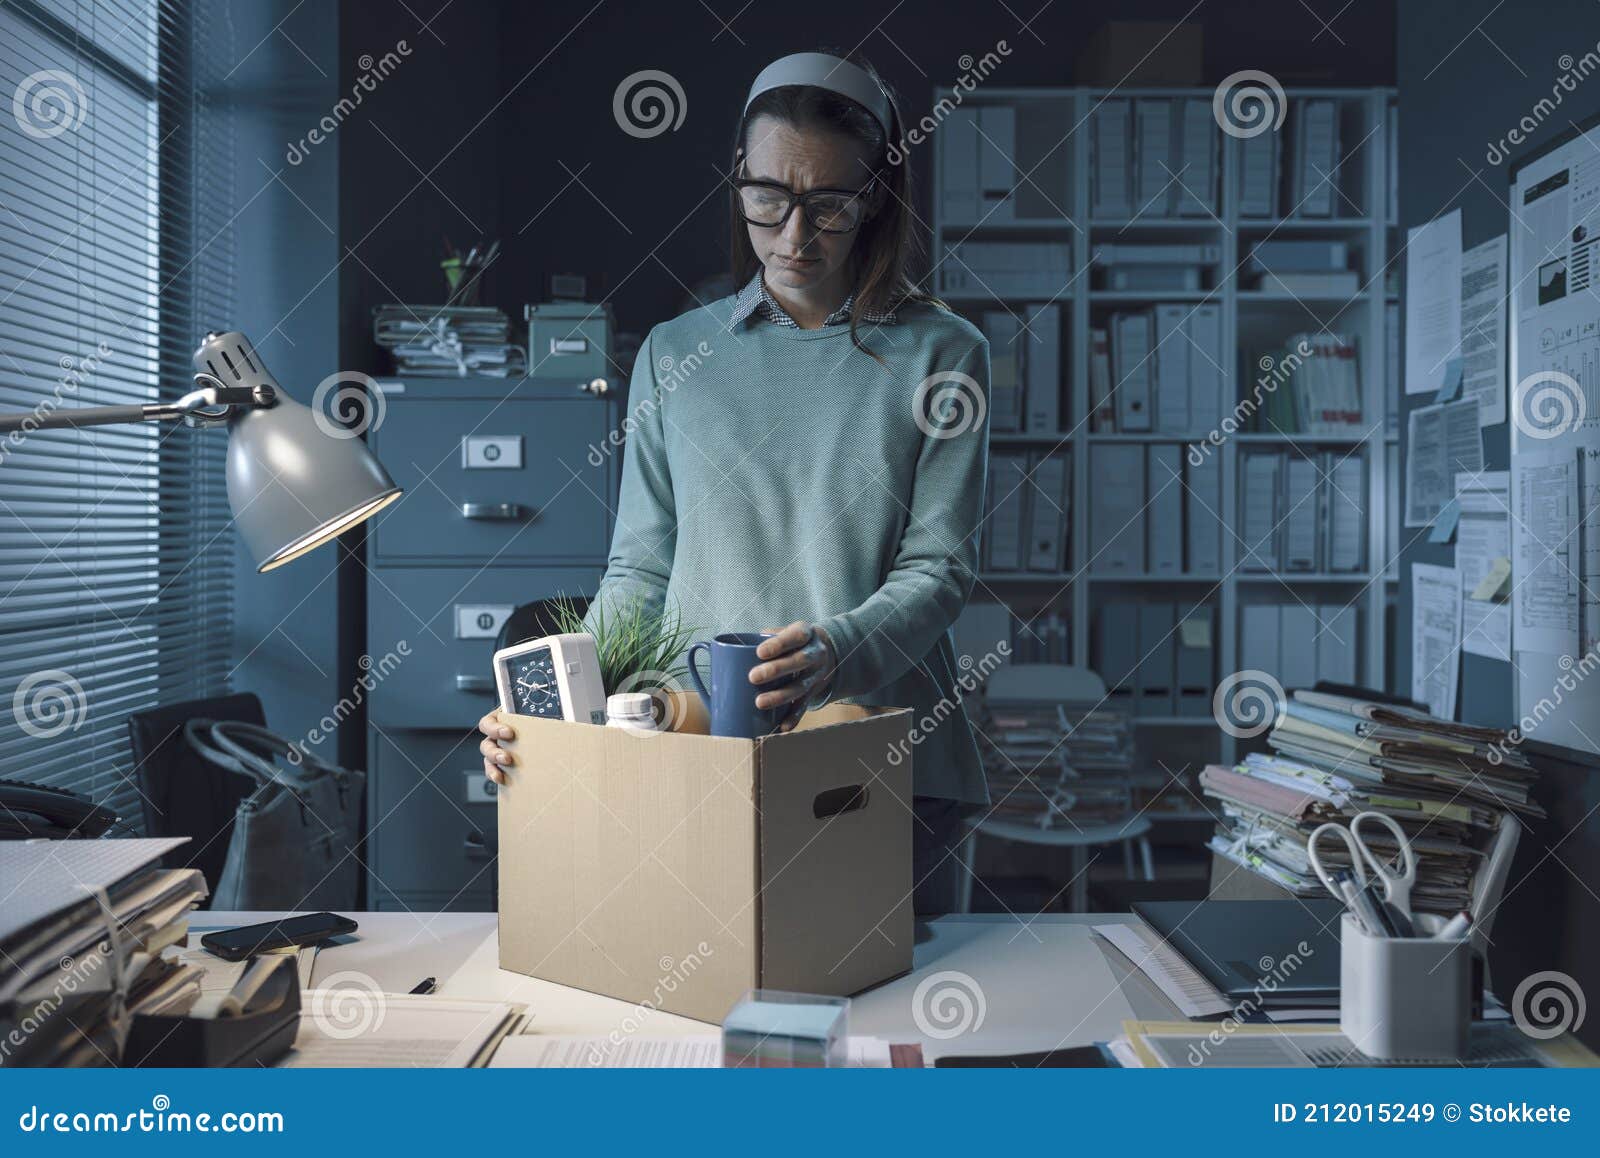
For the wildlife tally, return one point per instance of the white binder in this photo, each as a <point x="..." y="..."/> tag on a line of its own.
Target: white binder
<point x="1172" y="369"/>
<point x="1131" y="363"/>
<point x="1164" y="514"/>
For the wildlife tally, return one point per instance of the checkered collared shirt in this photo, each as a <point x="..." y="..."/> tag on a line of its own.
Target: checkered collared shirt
<point x="754" y="300"/>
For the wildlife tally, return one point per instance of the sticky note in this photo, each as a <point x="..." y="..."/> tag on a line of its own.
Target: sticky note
<point x="1452" y="382"/>
<point x="1494" y="581"/>
<point x="1195" y="632"/>
<point x="1444" y="523"/>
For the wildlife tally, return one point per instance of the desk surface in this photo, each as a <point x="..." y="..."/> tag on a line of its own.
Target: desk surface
<point x="984" y="983"/>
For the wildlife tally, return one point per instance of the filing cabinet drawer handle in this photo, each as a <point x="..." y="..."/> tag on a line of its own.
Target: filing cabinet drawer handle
<point x="474" y="683"/>
<point x="595" y="387"/>
<point x="496" y="512"/>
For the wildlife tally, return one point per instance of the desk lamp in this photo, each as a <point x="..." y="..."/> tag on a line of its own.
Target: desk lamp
<point x="292" y="485"/>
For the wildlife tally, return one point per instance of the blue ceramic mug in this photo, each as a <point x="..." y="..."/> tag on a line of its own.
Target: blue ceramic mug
<point x="731" y="699"/>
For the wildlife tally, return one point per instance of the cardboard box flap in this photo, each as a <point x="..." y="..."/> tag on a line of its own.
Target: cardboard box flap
<point x="835" y="852"/>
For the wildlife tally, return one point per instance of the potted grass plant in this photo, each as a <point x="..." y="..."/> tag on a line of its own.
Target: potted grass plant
<point x="641" y="648"/>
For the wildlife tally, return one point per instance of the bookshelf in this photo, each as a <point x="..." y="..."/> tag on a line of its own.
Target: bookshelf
<point x="1053" y="204"/>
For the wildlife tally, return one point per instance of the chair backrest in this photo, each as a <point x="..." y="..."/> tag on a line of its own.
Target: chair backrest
<point x="535" y="620"/>
<point x="1044" y="683"/>
<point x="181" y="793"/>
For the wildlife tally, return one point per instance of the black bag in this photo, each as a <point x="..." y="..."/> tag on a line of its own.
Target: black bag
<point x="294" y="837"/>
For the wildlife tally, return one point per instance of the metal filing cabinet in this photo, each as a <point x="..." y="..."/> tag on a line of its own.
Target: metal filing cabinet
<point x="503" y="504"/>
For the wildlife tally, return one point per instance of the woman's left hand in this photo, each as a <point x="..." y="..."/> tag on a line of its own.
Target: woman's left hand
<point x="803" y="650"/>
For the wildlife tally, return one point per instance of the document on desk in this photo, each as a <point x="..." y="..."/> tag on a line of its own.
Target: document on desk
<point x="619" y="1051"/>
<point x="1182" y="984"/>
<point x="1433" y="302"/>
<point x="1483" y="549"/>
<point x="1183" y="1045"/>
<point x="356" y="1028"/>
<point x="1435" y="637"/>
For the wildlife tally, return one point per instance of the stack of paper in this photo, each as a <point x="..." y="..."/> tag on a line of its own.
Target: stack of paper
<point x="1187" y="1044"/>
<point x="359" y="1028"/>
<point x="82" y="920"/>
<point x="1057" y="765"/>
<point x="449" y="341"/>
<point x="1334" y="756"/>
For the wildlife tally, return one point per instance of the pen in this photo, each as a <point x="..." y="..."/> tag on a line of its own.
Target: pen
<point x="1455" y="927"/>
<point x="425" y="986"/>
<point x="1348" y="890"/>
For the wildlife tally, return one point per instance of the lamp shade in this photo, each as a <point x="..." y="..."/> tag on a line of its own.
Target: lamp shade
<point x="293" y="482"/>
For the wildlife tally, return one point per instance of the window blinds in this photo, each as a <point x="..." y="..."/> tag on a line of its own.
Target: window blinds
<point x="116" y="554"/>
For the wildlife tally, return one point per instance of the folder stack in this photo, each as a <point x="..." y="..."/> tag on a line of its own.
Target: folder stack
<point x="1334" y="756"/>
<point x="1055" y="765"/>
<point x="1302" y="513"/>
<point x="1027" y="522"/>
<point x="82" y="933"/>
<point x="449" y="341"/>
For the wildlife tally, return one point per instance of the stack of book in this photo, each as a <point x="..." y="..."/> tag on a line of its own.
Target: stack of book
<point x="83" y="932"/>
<point x="448" y="341"/>
<point x="1057" y="765"/>
<point x="1316" y="392"/>
<point x="1449" y="786"/>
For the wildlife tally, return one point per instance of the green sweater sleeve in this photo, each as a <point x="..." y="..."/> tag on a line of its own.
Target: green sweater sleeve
<point x="936" y="564"/>
<point x="645" y="539"/>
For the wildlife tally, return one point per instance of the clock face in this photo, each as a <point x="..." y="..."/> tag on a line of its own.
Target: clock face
<point x="534" y="691"/>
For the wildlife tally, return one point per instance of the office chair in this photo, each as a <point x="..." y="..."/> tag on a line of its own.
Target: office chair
<point x="534" y="620"/>
<point x="1046" y="683"/>
<point x="181" y="793"/>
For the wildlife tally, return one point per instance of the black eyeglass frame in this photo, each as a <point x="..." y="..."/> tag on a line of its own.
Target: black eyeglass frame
<point x="801" y="199"/>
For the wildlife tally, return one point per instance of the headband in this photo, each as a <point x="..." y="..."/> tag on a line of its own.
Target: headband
<point x="819" y="70"/>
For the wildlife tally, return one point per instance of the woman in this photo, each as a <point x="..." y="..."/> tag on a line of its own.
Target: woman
<point x="799" y="474"/>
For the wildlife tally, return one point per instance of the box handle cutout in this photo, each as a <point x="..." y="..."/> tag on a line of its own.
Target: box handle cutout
<point x="837" y="801"/>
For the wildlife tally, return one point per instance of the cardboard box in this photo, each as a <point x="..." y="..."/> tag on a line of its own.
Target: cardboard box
<point x="681" y="870"/>
<point x="1131" y="53"/>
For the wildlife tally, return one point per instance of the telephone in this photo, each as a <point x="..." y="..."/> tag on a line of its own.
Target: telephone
<point x="33" y="810"/>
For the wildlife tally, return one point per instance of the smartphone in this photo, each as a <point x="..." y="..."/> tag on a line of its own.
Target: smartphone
<point x="248" y="940"/>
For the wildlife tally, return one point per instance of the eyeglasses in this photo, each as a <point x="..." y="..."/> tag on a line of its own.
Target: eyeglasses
<point x="768" y="204"/>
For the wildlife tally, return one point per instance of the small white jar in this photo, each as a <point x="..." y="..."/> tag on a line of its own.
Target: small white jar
<point x="634" y="711"/>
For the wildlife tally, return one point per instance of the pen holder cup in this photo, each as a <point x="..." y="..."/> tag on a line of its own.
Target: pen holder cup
<point x="1405" y="997"/>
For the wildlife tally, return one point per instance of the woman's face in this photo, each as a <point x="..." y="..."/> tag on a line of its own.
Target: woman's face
<point x="795" y="255"/>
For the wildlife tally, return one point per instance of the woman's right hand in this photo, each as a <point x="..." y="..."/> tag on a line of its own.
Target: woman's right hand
<point x="495" y="758"/>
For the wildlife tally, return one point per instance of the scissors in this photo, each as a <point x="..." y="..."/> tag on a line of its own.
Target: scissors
<point x="1396" y="885"/>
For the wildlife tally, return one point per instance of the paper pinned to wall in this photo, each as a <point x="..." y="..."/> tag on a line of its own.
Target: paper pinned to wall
<point x="1440" y="442"/>
<point x="1544" y="560"/>
<point x="1483" y="540"/>
<point x="1433" y="302"/>
<point x="1483" y="329"/>
<point x="1435" y="637"/>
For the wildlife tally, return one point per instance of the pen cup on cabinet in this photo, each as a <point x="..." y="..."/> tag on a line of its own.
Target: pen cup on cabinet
<point x="1404" y="997"/>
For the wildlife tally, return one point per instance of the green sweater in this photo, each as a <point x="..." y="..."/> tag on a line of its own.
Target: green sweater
<point x="775" y="474"/>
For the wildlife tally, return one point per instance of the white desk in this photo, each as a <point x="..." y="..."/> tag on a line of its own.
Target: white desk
<point x="1045" y="981"/>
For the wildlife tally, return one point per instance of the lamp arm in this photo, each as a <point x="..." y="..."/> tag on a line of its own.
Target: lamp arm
<point x="213" y="402"/>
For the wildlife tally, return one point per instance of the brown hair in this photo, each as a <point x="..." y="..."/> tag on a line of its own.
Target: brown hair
<point x="887" y="245"/>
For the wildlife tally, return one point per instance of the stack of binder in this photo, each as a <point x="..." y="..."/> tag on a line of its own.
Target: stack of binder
<point x="1154" y="510"/>
<point x="82" y="933"/>
<point x="1302" y="512"/>
<point x="449" y="341"/>
<point x="1154" y="157"/>
<point x="1159" y="370"/>
<point x="1024" y="368"/>
<point x="1028" y="517"/>
<point x="1157" y="658"/>
<point x="1057" y="765"/>
<point x="1334" y="756"/>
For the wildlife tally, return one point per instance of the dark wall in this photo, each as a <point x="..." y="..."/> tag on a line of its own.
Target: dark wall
<point x="280" y="78"/>
<point x="1461" y="90"/>
<point x="520" y="97"/>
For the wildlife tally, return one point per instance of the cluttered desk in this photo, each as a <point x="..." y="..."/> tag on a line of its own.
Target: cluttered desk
<point x="1174" y="985"/>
